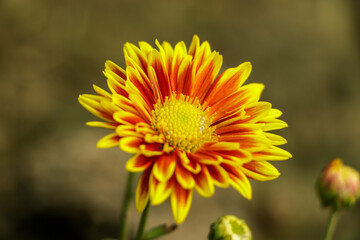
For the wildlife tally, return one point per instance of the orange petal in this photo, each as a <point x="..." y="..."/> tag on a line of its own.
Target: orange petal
<point x="229" y="152"/>
<point x="110" y="140"/>
<point x="155" y="84"/>
<point x="252" y="142"/>
<point x="166" y="53"/>
<point x="274" y="125"/>
<point x="160" y="191"/>
<point x="248" y="94"/>
<point x="185" y="78"/>
<point x="164" y="167"/>
<point x="275" y="139"/>
<point x="206" y="74"/>
<point x="138" y="163"/>
<point x="116" y="87"/>
<point x="102" y="124"/>
<point x="151" y="149"/>
<point x="221" y="146"/>
<point x="203" y="183"/>
<point x="144" y="128"/>
<point x="92" y="104"/>
<point x="180" y="203"/>
<point x="205" y="157"/>
<point x="184" y="177"/>
<point x="261" y="171"/>
<point x="257" y="111"/>
<point x="141" y="84"/>
<point x="142" y="191"/>
<point x="271" y="153"/>
<point x="130" y="144"/>
<point x="154" y="138"/>
<point x="127" y="131"/>
<point x="124" y="103"/>
<point x="143" y="109"/>
<point x="188" y="162"/>
<point x="134" y="53"/>
<point x="238" y="180"/>
<point x="201" y="54"/>
<point x="111" y="67"/>
<point x="127" y="118"/>
<point x="179" y="55"/>
<point x="102" y="92"/>
<point x="228" y="83"/>
<point x="218" y="175"/>
<point x="194" y="46"/>
<point x="239" y="128"/>
<point x="157" y="63"/>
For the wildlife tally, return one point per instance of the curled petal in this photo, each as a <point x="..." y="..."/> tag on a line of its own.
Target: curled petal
<point x="272" y="153"/>
<point x="218" y="175"/>
<point x="238" y="180"/>
<point x="130" y="144"/>
<point x="261" y="171"/>
<point x="184" y="177"/>
<point x="117" y="72"/>
<point x="164" y="167"/>
<point x="228" y="83"/>
<point x="102" y="124"/>
<point x="203" y="183"/>
<point x="102" y="92"/>
<point x="160" y="191"/>
<point x="142" y="191"/>
<point x="132" y="52"/>
<point x="275" y="139"/>
<point x="127" y="118"/>
<point x="92" y="104"/>
<point x="151" y="149"/>
<point x="138" y="163"/>
<point x="189" y="162"/>
<point x="110" y="140"/>
<point x="205" y="157"/>
<point x="180" y="203"/>
<point x="127" y="130"/>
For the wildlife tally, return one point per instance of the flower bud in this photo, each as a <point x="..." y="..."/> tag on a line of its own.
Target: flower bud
<point x="338" y="185"/>
<point x="229" y="228"/>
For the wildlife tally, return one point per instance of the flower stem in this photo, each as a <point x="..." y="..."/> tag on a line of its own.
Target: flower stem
<point x="142" y="223"/>
<point x="125" y="205"/>
<point x="331" y="224"/>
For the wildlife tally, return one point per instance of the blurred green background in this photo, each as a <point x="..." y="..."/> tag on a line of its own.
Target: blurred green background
<point x="54" y="183"/>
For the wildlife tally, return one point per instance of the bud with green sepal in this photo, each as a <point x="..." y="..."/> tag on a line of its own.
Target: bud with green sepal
<point x="338" y="185"/>
<point x="229" y="228"/>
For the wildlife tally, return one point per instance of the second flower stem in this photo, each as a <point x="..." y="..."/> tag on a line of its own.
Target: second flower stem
<point x="141" y="227"/>
<point x="125" y="205"/>
<point x="331" y="224"/>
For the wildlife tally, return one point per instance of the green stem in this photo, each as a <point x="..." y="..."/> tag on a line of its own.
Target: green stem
<point x="142" y="223"/>
<point x="125" y="205"/>
<point x="331" y="224"/>
<point x="159" y="231"/>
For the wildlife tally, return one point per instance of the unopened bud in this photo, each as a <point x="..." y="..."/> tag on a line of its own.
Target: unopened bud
<point x="229" y="228"/>
<point x="338" y="185"/>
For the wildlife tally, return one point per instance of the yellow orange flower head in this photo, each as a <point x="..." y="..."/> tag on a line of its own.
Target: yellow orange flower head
<point x="188" y="127"/>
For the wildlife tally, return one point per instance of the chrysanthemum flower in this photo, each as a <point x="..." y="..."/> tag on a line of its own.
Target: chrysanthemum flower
<point x="188" y="127"/>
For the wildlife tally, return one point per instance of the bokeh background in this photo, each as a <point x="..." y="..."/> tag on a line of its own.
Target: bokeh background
<point x="54" y="182"/>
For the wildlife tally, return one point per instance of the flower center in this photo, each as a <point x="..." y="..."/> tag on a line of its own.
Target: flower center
<point x="184" y="123"/>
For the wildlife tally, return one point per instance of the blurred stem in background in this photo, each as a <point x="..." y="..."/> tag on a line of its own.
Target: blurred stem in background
<point x="331" y="224"/>
<point x="125" y="205"/>
<point x="142" y="223"/>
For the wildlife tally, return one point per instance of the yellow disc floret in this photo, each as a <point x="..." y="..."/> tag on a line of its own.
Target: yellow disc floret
<point x="183" y="122"/>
